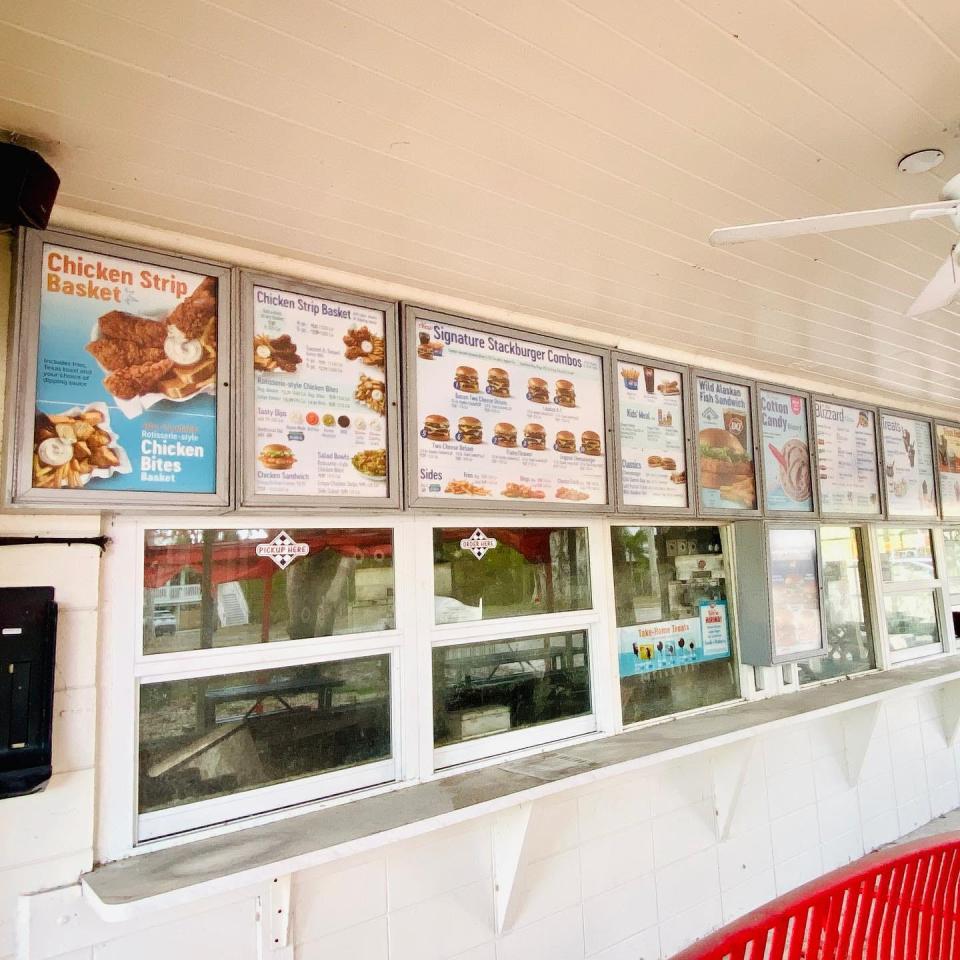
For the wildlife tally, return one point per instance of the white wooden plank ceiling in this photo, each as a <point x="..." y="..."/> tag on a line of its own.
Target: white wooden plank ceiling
<point x="563" y="158"/>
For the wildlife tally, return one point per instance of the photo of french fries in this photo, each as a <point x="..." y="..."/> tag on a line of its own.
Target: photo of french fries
<point x="70" y="449"/>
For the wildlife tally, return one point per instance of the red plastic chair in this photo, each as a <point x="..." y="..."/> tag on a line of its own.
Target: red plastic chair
<point x="901" y="903"/>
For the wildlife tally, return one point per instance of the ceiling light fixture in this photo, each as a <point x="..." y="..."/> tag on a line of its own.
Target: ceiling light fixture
<point x="921" y="161"/>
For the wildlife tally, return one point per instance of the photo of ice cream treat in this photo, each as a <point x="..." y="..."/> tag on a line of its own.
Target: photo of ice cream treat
<point x="794" y="473"/>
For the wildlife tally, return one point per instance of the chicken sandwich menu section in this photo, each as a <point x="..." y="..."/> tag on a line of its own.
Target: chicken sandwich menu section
<point x="653" y="455"/>
<point x="726" y="470"/>
<point x="508" y="419"/>
<point x="846" y="459"/>
<point x="320" y="393"/>
<point x="908" y="466"/>
<point x="126" y="376"/>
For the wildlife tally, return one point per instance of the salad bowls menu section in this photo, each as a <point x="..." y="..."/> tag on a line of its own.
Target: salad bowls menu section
<point x="908" y="479"/>
<point x="503" y="418"/>
<point x="120" y="384"/>
<point x="846" y="459"/>
<point x="321" y="395"/>
<point x="785" y="446"/>
<point x="725" y="465"/>
<point x="948" y="466"/>
<point x="652" y="435"/>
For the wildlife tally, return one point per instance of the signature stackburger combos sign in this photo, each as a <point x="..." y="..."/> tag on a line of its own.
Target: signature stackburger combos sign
<point x="500" y="418"/>
<point x="320" y="395"/>
<point x="119" y="375"/>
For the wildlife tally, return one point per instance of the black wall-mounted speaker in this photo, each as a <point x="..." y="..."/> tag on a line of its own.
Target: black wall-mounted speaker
<point x="28" y="187"/>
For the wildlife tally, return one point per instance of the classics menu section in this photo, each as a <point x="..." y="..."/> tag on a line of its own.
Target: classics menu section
<point x="846" y="459"/>
<point x="503" y="418"/>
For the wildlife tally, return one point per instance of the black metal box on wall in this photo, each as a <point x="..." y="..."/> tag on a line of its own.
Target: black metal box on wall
<point x="28" y="630"/>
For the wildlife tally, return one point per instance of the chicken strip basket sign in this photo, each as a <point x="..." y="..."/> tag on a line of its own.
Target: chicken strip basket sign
<point x="126" y="376"/>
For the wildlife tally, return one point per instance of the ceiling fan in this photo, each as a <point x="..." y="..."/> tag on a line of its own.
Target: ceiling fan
<point x="941" y="290"/>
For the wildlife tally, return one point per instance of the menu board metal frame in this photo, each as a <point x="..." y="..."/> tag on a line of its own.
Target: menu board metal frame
<point x="411" y="312"/>
<point x="952" y="425"/>
<point x="683" y="372"/>
<point x="247" y="499"/>
<point x="919" y="418"/>
<point x="814" y="491"/>
<point x="21" y="387"/>
<point x="881" y="493"/>
<point x="714" y="512"/>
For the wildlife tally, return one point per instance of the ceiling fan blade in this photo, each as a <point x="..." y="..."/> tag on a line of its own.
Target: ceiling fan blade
<point x="778" y="229"/>
<point x="941" y="290"/>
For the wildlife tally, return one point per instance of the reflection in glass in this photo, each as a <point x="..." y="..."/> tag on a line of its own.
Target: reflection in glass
<point x="531" y="570"/>
<point x="911" y="620"/>
<point x="906" y="553"/>
<point x="849" y="643"/>
<point x="210" y="588"/>
<point x="794" y="591"/>
<point x="662" y="575"/>
<point x="951" y="549"/>
<point x="490" y="687"/>
<point x="212" y="736"/>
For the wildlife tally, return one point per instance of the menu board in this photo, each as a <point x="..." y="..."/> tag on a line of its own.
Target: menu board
<point x="785" y="443"/>
<point x="508" y="419"/>
<point x="320" y="395"/>
<point x="794" y="592"/>
<point x="653" y="460"/>
<point x="726" y="471"/>
<point x="846" y="459"/>
<point x="948" y="463"/>
<point x="126" y="376"/>
<point x="907" y="466"/>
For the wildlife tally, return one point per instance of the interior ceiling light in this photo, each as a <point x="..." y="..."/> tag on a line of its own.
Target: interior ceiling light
<point x="920" y="161"/>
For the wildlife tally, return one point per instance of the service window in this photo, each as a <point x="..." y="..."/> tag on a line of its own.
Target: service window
<point x="850" y="647"/>
<point x="912" y="592"/>
<point x="513" y="613"/>
<point x="266" y="674"/>
<point x="673" y="621"/>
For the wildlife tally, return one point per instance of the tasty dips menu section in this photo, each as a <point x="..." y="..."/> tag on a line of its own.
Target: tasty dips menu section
<point x="726" y="471"/>
<point x="785" y="445"/>
<point x="907" y="466"/>
<point x="846" y="459"/>
<point x="126" y="376"/>
<point x="948" y="464"/>
<point x="500" y="418"/>
<point x="653" y="455"/>
<point x="320" y="394"/>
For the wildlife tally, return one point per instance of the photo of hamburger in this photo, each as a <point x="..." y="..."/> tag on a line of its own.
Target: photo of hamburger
<point x="470" y="430"/>
<point x="565" y="396"/>
<point x="505" y="435"/>
<point x="565" y="442"/>
<point x="537" y="391"/>
<point x="498" y="382"/>
<point x="535" y="436"/>
<point x="727" y="466"/>
<point x="436" y="427"/>
<point x="590" y="443"/>
<point x="277" y="456"/>
<point x="466" y="380"/>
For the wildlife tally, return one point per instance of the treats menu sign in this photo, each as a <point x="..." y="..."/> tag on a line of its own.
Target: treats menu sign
<point x="846" y="459"/>
<point x="126" y="376"/>
<point x="320" y="396"/>
<point x="653" y="460"/>
<point x="908" y="466"/>
<point x="502" y="418"/>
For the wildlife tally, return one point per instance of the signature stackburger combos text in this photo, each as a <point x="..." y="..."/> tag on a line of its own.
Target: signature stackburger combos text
<point x="126" y="375"/>
<point x="321" y="396"/>
<point x="502" y="418"/>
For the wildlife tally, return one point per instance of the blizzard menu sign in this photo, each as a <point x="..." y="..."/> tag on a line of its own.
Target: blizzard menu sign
<point x="846" y="459"/>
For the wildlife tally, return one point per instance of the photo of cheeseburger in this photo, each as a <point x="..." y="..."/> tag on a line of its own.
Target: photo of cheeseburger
<point x="505" y="435"/>
<point x="565" y="442"/>
<point x="466" y="380"/>
<point x="276" y="456"/>
<point x="470" y="430"/>
<point x="590" y="443"/>
<point x="498" y="382"/>
<point x="535" y="436"/>
<point x="436" y="427"/>
<point x="565" y="396"/>
<point x="537" y="391"/>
